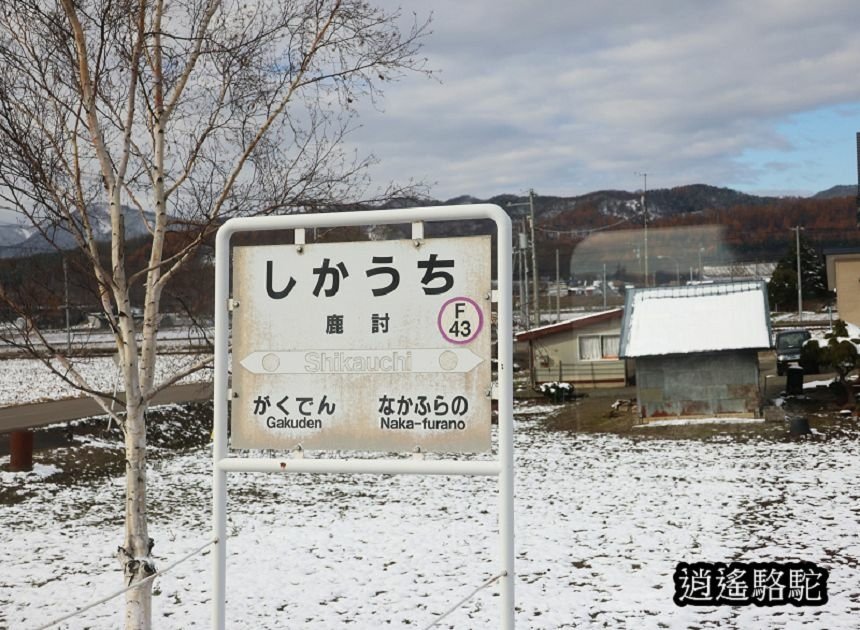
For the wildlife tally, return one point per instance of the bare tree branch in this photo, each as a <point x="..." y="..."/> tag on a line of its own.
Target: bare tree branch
<point x="174" y="116"/>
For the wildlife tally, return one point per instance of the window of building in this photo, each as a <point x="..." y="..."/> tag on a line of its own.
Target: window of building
<point x="598" y="347"/>
<point x="609" y="345"/>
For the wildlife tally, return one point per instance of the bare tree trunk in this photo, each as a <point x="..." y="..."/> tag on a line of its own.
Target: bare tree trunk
<point x="135" y="555"/>
<point x="205" y="110"/>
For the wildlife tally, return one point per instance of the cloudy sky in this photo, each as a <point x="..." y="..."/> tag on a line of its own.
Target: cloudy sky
<point x="567" y="96"/>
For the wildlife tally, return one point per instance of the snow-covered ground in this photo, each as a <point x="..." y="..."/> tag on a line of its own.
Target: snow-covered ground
<point x="692" y="421"/>
<point x="91" y="339"/>
<point x="28" y="380"/>
<point x="602" y="521"/>
<point x="791" y="317"/>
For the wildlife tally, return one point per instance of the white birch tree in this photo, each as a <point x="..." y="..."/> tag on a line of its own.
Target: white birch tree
<point x="187" y="112"/>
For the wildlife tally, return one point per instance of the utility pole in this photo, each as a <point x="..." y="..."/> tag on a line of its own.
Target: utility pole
<point x="531" y="204"/>
<point x="799" y="280"/>
<point x="534" y="255"/>
<point x="519" y="253"/>
<point x="66" y="306"/>
<point x="604" y="286"/>
<point x="526" y="277"/>
<point x="516" y="276"/>
<point x="557" y="290"/>
<point x="645" y="220"/>
<point x="677" y="267"/>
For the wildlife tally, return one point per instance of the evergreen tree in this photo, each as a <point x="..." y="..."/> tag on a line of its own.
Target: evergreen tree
<point x="838" y="353"/>
<point x="782" y="289"/>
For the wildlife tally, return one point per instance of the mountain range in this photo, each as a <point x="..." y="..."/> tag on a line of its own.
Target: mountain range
<point x="660" y="202"/>
<point x="18" y="240"/>
<point x="23" y="240"/>
<point x="837" y="191"/>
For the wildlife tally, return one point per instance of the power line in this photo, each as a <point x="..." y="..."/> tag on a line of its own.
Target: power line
<point x="583" y="231"/>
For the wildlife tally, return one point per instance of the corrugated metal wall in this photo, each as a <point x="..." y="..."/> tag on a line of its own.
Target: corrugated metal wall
<point x="708" y="384"/>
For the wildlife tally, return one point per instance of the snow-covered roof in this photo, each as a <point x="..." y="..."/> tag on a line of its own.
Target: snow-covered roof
<point x="570" y="324"/>
<point x="698" y="318"/>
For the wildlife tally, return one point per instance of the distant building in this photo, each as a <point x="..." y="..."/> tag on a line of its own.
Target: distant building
<point x="739" y="271"/>
<point x="582" y="351"/>
<point x="696" y="348"/>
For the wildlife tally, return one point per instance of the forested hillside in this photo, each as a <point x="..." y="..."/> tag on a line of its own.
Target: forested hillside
<point x="754" y="228"/>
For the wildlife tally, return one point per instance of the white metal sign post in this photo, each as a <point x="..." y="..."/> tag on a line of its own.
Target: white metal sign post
<point x="378" y="345"/>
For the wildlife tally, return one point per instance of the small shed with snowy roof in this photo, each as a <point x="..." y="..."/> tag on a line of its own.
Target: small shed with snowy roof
<point x="696" y="348"/>
<point x="582" y="351"/>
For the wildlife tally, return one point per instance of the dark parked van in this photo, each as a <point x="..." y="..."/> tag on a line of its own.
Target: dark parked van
<point x="787" y="344"/>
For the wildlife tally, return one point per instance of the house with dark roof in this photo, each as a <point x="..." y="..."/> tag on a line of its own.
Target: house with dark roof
<point x="696" y="348"/>
<point x="582" y="351"/>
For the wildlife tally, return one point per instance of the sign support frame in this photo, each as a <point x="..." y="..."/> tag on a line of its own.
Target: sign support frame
<point x="502" y="467"/>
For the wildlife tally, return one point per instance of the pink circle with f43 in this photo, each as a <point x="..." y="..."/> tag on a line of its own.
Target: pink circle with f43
<point x="478" y="328"/>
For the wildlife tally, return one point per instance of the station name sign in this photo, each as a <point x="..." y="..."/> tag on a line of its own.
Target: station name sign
<point x="378" y="345"/>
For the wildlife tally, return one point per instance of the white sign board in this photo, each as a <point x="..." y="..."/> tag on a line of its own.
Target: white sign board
<point x="379" y="345"/>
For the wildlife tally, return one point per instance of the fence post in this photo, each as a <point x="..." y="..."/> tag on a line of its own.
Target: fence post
<point x="21" y="451"/>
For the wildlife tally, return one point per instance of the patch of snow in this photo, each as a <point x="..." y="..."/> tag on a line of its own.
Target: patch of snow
<point x="817" y="384"/>
<point x="40" y="471"/>
<point x="567" y="322"/>
<point x="28" y="380"/>
<point x="550" y="388"/>
<point x="90" y="336"/>
<point x="791" y="317"/>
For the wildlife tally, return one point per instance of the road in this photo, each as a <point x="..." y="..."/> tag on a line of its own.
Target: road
<point x="33" y="415"/>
